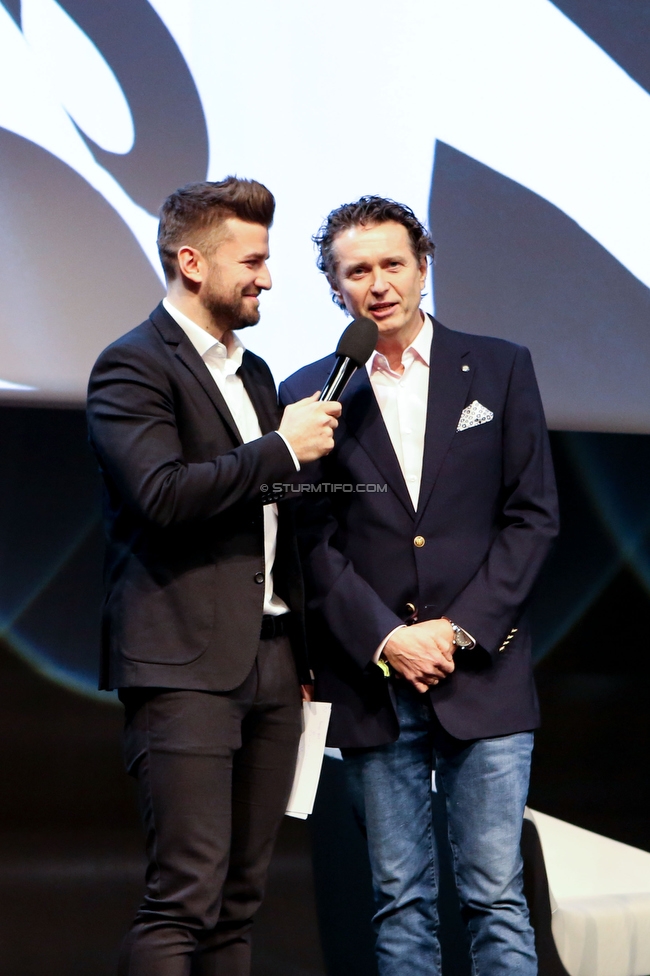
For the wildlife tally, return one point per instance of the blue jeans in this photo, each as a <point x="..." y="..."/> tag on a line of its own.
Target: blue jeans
<point x="485" y="784"/>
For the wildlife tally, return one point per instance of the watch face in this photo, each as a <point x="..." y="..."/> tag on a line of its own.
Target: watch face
<point x="461" y="639"/>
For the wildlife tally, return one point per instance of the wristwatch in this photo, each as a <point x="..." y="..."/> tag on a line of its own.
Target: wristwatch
<point x="461" y="637"/>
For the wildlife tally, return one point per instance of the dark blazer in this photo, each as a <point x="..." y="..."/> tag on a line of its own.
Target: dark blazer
<point x="185" y="557"/>
<point x="487" y="514"/>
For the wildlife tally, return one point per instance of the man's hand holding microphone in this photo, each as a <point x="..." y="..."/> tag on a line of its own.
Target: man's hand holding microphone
<point x="309" y="424"/>
<point x="309" y="427"/>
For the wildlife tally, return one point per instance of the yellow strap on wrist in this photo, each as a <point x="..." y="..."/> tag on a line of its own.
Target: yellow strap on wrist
<point x="384" y="665"/>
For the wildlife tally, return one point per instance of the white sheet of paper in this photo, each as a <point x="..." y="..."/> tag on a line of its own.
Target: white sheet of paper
<point x="316" y="719"/>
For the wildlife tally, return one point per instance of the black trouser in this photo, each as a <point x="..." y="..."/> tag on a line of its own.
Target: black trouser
<point x="214" y="772"/>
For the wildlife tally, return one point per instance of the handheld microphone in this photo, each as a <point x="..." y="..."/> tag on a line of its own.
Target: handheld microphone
<point x="353" y="351"/>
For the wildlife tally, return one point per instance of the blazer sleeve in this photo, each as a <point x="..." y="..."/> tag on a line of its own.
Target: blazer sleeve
<point x="492" y="601"/>
<point x="133" y="430"/>
<point x="355" y="614"/>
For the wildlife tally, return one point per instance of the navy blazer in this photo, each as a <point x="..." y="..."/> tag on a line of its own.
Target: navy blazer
<point x="487" y="513"/>
<point x="185" y="554"/>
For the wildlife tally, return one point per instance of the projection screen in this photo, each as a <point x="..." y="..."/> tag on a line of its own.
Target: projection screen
<point x="511" y="129"/>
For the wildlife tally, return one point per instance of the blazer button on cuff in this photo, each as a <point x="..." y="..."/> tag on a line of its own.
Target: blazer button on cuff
<point x="418" y="541"/>
<point x="259" y="577"/>
<point x="410" y="607"/>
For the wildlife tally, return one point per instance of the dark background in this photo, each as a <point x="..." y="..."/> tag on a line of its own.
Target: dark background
<point x="69" y="834"/>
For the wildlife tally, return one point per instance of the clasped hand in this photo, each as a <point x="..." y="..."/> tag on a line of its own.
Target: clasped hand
<point x="422" y="653"/>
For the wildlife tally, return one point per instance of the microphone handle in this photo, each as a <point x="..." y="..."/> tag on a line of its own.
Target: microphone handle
<point x="342" y="372"/>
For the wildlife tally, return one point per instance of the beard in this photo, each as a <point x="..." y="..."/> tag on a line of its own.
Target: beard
<point x="231" y="311"/>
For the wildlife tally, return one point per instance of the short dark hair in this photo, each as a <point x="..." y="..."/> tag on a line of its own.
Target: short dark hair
<point x="191" y="212"/>
<point x="367" y="211"/>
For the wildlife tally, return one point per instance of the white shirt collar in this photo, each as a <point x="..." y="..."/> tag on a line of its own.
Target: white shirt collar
<point x="420" y="348"/>
<point x="203" y="342"/>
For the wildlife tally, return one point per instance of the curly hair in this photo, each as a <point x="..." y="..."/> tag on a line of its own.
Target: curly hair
<point x="367" y="211"/>
<point x="190" y="214"/>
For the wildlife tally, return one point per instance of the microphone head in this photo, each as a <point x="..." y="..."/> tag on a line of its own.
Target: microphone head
<point x="358" y="341"/>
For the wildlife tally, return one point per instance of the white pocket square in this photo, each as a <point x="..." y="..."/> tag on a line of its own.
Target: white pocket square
<point x="474" y="415"/>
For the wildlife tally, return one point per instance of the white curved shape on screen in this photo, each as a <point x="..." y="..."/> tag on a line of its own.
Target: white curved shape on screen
<point x="30" y="107"/>
<point x="83" y="81"/>
<point x="7" y="385"/>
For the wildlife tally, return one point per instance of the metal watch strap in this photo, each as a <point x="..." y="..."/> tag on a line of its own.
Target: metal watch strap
<point x="461" y="637"/>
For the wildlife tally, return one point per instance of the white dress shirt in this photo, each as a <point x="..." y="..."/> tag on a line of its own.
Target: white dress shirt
<point x="223" y="363"/>
<point x="402" y="399"/>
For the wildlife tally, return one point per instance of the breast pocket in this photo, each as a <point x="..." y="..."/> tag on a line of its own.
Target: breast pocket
<point x="486" y="433"/>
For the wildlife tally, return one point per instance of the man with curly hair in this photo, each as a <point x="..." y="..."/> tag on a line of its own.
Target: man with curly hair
<point x="416" y="594"/>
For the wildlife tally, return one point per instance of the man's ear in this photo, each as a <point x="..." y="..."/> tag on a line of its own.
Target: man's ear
<point x="336" y="294"/>
<point x="191" y="263"/>
<point x="424" y="267"/>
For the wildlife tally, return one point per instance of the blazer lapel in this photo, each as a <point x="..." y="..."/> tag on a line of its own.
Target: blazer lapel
<point x="174" y="336"/>
<point x="363" y="419"/>
<point x="261" y="392"/>
<point x="449" y="383"/>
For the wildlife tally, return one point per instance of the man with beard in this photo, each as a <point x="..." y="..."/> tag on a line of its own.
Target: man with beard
<point x="202" y="629"/>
